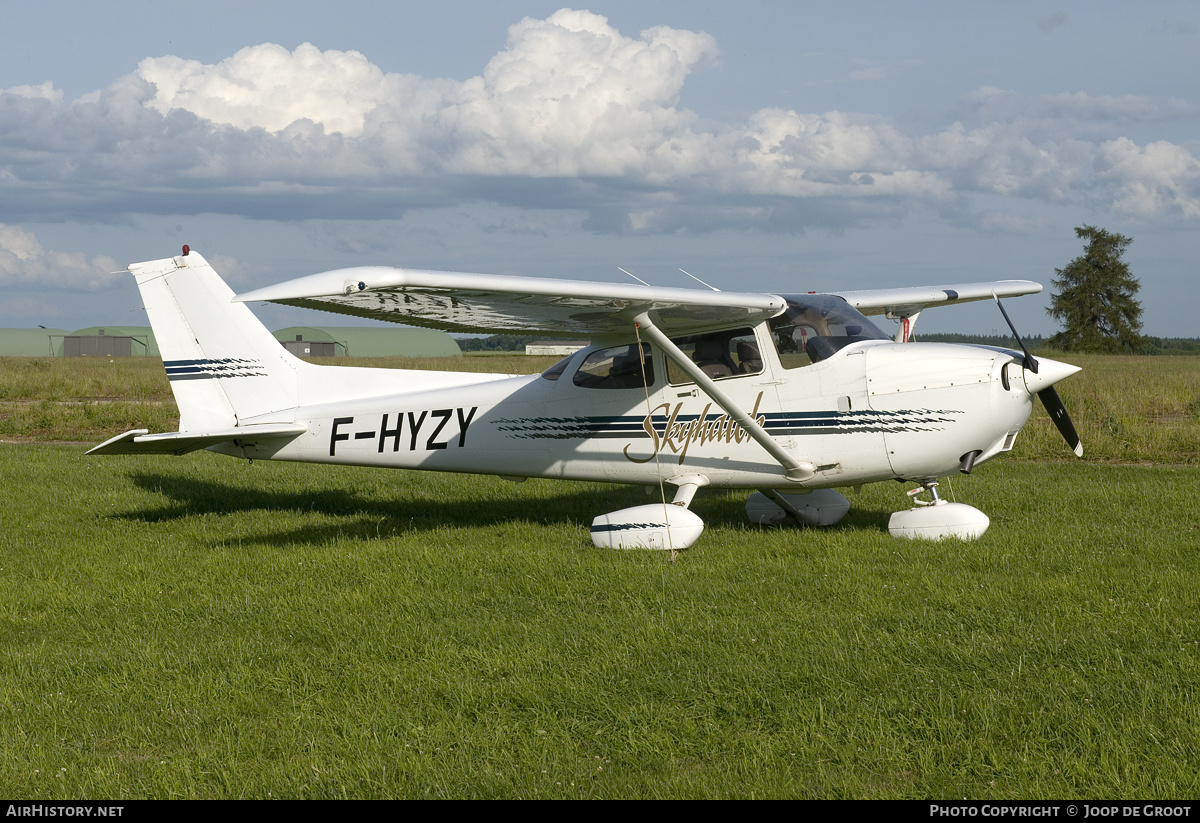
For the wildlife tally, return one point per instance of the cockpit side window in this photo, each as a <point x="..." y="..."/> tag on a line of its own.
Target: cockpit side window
<point x="618" y="367"/>
<point x="718" y="354"/>
<point x="817" y="326"/>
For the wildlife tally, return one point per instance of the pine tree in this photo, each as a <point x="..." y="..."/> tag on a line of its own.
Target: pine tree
<point x="1096" y="298"/>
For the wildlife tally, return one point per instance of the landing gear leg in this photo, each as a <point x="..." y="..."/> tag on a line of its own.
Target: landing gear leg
<point x="822" y="507"/>
<point x="927" y="486"/>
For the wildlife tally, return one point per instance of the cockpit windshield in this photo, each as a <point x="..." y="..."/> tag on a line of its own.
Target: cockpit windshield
<point x="816" y="326"/>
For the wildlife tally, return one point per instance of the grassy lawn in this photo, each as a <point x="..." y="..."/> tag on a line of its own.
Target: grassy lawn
<point x="204" y="627"/>
<point x="199" y="627"/>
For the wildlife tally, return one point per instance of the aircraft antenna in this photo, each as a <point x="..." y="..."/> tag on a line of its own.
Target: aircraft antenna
<point x="634" y="276"/>
<point x="698" y="280"/>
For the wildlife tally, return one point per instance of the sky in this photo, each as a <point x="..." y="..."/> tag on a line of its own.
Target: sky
<point x="777" y="147"/>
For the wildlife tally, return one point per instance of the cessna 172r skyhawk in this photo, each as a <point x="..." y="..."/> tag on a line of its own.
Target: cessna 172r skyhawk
<point x="792" y="395"/>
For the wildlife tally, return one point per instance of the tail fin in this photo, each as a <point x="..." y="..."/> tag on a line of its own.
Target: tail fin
<point x="223" y="364"/>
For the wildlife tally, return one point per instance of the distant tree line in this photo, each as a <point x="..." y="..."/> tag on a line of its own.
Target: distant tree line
<point x="506" y="342"/>
<point x="1170" y="345"/>
<point x="1149" y="345"/>
<point x="1003" y="341"/>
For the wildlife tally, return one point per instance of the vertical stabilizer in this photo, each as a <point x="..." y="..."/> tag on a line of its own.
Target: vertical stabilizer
<point x="223" y="364"/>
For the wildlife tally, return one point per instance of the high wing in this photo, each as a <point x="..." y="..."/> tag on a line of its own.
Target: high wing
<point x="487" y="303"/>
<point x="909" y="301"/>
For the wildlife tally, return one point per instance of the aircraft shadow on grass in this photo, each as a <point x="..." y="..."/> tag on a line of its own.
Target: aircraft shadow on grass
<point x="370" y="518"/>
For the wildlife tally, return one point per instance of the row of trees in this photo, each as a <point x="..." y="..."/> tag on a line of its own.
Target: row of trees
<point x="495" y="342"/>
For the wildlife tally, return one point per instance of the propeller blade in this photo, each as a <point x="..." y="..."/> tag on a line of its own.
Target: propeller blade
<point x="1030" y="363"/>
<point x="1062" y="420"/>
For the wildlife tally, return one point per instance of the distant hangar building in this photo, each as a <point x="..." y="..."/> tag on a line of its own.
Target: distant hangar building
<point x="559" y="348"/>
<point x="109" y="341"/>
<point x="366" y="341"/>
<point x="31" y="342"/>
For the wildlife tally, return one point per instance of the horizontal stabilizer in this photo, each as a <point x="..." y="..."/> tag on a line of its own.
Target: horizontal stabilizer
<point x="140" y="441"/>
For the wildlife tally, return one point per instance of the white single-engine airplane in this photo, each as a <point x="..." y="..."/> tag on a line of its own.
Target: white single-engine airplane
<point x="791" y="395"/>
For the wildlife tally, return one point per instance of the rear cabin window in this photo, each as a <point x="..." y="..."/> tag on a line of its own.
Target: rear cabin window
<point x="616" y="368"/>
<point x="718" y="354"/>
<point x="556" y="371"/>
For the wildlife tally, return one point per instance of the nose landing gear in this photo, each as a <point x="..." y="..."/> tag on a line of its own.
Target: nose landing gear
<point x="935" y="518"/>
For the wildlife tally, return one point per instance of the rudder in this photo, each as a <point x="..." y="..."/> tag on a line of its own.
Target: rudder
<point x="224" y="366"/>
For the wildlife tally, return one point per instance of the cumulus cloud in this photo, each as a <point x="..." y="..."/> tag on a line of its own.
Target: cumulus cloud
<point x="1069" y="110"/>
<point x="570" y="114"/>
<point x="24" y="263"/>
<point x="1151" y="180"/>
<point x="568" y="96"/>
<point x="44" y="91"/>
<point x="571" y="96"/>
<point x="269" y="87"/>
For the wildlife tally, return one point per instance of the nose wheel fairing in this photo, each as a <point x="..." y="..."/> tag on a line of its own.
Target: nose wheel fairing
<point x="936" y="519"/>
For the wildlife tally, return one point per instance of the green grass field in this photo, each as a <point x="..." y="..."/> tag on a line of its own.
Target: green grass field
<point x="203" y="627"/>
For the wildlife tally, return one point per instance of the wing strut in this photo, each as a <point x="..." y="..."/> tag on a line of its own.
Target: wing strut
<point x="795" y="470"/>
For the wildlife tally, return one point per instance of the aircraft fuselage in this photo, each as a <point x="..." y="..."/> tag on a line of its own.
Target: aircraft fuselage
<point x="872" y="411"/>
